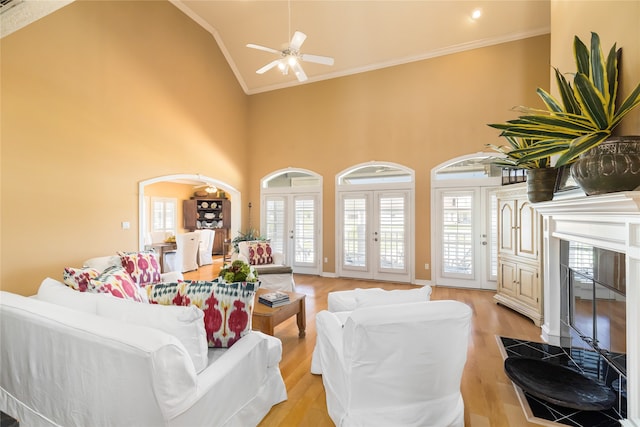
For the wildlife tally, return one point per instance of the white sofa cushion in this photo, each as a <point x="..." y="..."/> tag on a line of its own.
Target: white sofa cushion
<point x="371" y="297"/>
<point x="186" y="323"/>
<point x="58" y="293"/>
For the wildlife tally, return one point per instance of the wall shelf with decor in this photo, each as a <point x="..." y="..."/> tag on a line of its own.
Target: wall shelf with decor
<point x="209" y="214"/>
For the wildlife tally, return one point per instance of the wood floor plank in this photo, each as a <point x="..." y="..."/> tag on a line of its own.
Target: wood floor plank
<point x="490" y="399"/>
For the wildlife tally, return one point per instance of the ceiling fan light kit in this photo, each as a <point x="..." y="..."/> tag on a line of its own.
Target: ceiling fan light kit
<point x="291" y="57"/>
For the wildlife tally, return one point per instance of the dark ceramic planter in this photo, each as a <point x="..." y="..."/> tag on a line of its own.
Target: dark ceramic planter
<point x="540" y="184"/>
<point x="612" y="166"/>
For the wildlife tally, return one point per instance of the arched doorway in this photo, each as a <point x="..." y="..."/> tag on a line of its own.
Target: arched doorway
<point x="291" y="217"/>
<point x="190" y="179"/>
<point x="464" y="222"/>
<point x="375" y="222"/>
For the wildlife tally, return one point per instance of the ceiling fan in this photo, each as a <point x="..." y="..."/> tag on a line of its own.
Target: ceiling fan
<point x="209" y="188"/>
<point x="291" y="56"/>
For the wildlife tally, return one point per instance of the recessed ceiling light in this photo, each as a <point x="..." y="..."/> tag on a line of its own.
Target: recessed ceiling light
<point x="477" y="13"/>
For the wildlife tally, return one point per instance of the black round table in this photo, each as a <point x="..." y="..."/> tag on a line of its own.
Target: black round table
<point x="558" y="384"/>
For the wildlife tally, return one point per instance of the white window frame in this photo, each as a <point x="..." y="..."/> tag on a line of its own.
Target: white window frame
<point x="164" y="201"/>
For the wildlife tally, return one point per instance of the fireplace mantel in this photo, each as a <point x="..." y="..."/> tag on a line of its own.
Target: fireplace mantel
<point x="609" y="221"/>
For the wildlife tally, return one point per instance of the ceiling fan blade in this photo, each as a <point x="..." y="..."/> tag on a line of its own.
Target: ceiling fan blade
<point x="297" y="40"/>
<point x="326" y="60"/>
<point x="266" y="49"/>
<point x="297" y="69"/>
<point x="267" y="67"/>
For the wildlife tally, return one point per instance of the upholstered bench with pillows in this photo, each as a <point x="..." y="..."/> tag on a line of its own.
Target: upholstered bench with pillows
<point x="272" y="271"/>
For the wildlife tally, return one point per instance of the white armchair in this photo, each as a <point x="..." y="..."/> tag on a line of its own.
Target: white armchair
<point x="398" y="364"/>
<point x="344" y="302"/>
<point x="205" y="247"/>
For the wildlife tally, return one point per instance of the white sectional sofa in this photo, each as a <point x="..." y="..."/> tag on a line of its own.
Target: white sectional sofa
<point x="70" y="358"/>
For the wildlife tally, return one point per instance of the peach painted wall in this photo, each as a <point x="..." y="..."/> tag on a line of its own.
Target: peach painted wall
<point x="418" y="115"/>
<point x="97" y="97"/>
<point x="615" y="21"/>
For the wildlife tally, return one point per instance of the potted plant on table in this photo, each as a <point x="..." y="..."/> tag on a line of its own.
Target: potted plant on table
<point x="541" y="176"/>
<point x="238" y="271"/>
<point x="578" y="127"/>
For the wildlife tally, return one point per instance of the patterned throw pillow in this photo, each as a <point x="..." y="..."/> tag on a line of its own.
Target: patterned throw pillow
<point x="227" y="306"/>
<point x="260" y="253"/>
<point x="117" y="282"/>
<point x="79" y="278"/>
<point x="143" y="267"/>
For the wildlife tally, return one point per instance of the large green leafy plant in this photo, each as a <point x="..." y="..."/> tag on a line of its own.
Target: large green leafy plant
<point x="513" y="153"/>
<point x="583" y="117"/>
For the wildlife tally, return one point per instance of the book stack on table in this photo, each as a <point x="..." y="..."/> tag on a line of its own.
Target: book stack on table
<point x="274" y="299"/>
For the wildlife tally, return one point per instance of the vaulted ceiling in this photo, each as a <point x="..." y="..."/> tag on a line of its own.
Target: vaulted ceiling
<point x="361" y="35"/>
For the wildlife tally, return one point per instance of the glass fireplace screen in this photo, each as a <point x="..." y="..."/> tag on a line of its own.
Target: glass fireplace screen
<point x="594" y="305"/>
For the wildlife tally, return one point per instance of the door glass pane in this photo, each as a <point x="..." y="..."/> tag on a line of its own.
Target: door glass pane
<point x="354" y="235"/>
<point x="275" y="216"/>
<point x="305" y="231"/>
<point x="493" y="236"/>
<point x="457" y="246"/>
<point x="392" y="232"/>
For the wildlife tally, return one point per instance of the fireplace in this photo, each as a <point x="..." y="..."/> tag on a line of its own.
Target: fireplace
<point x="593" y="289"/>
<point x="608" y="225"/>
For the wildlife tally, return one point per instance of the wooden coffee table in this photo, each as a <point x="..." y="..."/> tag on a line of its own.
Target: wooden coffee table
<point x="265" y="318"/>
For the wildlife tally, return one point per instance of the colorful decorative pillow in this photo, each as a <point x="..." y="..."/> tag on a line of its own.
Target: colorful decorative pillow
<point x="117" y="282"/>
<point x="227" y="306"/>
<point x="79" y="278"/>
<point x="260" y="253"/>
<point x="143" y="267"/>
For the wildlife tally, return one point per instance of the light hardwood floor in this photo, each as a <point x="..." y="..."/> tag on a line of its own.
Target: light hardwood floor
<point x="489" y="397"/>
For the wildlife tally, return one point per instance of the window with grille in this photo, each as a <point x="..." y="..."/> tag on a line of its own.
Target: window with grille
<point x="392" y="230"/>
<point x="354" y="233"/>
<point x="305" y="225"/>
<point x="457" y="246"/>
<point x="163" y="215"/>
<point x="275" y="219"/>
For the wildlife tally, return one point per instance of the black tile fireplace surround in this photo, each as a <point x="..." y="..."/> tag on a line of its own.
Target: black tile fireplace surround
<point x="589" y="363"/>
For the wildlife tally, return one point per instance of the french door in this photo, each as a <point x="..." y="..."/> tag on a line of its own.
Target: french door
<point x="465" y="252"/>
<point x="374" y="235"/>
<point x="291" y="222"/>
